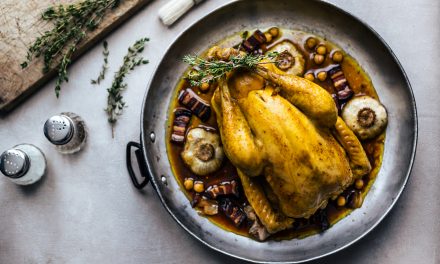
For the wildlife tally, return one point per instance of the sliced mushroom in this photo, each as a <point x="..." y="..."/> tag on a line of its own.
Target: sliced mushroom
<point x="289" y="58"/>
<point x="202" y="151"/>
<point x="366" y="116"/>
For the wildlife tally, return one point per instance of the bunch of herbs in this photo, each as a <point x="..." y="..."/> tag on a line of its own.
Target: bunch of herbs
<point x="115" y="102"/>
<point x="71" y="24"/>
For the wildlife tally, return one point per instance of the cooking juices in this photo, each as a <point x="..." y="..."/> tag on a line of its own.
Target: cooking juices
<point x="322" y="59"/>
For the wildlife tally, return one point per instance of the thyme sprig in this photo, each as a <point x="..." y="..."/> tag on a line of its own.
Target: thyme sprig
<point x="104" y="66"/>
<point x="71" y="24"/>
<point x="207" y="71"/>
<point x="115" y="102"/>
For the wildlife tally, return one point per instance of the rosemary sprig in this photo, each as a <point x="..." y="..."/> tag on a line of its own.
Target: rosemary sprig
<point x="104" y="67"/>
<point x="115" y="102"/>
<point x="206" y="71"/>
<point x="71" y="22"/>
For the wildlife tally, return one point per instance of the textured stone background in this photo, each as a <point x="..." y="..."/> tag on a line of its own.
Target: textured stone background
<point x="86" y="210"/>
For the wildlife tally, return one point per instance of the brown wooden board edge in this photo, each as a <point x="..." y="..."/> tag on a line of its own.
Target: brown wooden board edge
<point x="9" y="106"/>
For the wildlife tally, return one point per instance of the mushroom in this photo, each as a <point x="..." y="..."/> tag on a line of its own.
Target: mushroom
<point x="366" y="116"/>
<point x="202" y="151"/>
<point x="289" y="58"/>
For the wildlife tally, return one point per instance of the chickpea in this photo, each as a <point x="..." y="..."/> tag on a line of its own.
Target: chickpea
<point x="318" y="58"/>
<point x="268" y="37"/>
<point x="337" y="56"/>
<point x="188" y="183"/>
<point x="309" y="76"/>
<point x="199" y="186"/>
<point x="321" y="49"/>
<point x="341" y="201"/>
<point x="311" y="42"/>
<point x="359" y="184"/>
<point x="225" y="53"/>
<point x="322" y="76"/>
<point x="204" y="87"/>
<point x="274" y="31"/>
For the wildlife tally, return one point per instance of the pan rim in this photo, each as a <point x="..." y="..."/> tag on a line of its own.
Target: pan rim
<point x="374" y="225"/>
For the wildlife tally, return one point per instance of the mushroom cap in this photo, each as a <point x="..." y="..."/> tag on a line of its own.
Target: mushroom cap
<point x="202" y="152"/>
<point x="366" y="116"/>
<point x="291" y="59"/>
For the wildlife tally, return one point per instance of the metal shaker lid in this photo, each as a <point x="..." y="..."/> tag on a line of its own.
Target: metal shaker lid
<point x="59" y="129"/>
<point x="14" y="163"/>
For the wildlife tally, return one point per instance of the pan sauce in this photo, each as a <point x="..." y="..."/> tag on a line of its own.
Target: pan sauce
<point x="359" y="82"/>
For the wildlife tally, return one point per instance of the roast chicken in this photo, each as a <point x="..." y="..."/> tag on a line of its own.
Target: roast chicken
<point x="291" y="150"/>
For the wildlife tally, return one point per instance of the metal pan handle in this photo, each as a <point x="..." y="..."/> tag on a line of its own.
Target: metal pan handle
<point x="142" y="165"/>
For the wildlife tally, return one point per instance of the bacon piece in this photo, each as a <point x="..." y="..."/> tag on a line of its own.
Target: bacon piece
<point x="254" y="42"/>
<point x="232" y="211"/>
<point x="223" y="189"/>
<point x="182" y="116"/>
<point x="344" y="92"/>
<point x="197" y="105"/>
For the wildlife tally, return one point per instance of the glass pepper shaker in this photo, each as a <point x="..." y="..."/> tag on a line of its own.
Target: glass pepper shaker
<point x="67" y="131"/>
<point x="23" y="164"/>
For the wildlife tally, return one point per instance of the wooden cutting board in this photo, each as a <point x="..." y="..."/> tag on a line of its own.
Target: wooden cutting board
<point x="20" y="25"/>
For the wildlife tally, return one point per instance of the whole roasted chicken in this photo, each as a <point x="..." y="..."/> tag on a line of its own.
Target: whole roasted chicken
<point x="283" y="134"/>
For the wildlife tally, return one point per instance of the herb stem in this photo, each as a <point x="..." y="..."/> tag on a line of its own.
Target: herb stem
<point x="104" y="67"/>
<point x="115" y="102"/>
<point x="211" y="70"/>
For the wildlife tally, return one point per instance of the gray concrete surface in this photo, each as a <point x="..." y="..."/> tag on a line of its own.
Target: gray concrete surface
<point x="87" y="211"/>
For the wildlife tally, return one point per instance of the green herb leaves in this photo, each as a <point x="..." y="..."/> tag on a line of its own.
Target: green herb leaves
<point x="104" y="67"/>
<point x="115" y="102"/>
<point x="211" y="70"/>
<point x="70" y="25"/>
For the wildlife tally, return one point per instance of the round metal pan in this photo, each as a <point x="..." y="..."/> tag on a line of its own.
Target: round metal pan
<point x="338" y="26"/>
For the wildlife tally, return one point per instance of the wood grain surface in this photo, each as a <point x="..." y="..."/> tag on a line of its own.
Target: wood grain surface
<point x="20" y="25"/>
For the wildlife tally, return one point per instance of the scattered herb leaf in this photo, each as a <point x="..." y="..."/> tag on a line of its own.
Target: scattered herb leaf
<point x="115" y="102"/>
<point x="104" y="67"/>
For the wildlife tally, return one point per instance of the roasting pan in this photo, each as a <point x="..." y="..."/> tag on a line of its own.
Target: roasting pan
<point x="320" y="18"/>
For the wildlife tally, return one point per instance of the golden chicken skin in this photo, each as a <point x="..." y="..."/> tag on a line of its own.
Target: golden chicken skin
<point x="291" y="150"/>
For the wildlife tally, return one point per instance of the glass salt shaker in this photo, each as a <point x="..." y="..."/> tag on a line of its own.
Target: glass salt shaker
<point x="23" y="164"/>
<point x="67" y="131"/>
